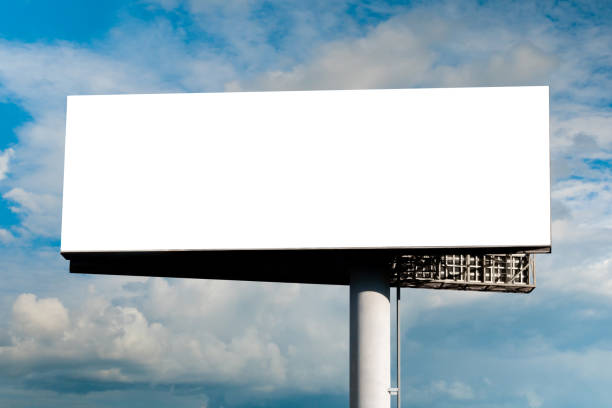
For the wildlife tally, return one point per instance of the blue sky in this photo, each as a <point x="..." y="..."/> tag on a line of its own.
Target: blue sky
<point x="73" y="340"/>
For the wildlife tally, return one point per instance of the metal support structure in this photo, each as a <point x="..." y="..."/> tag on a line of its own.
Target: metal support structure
<point x="514" y="272"/>
<point x="370" y="337"/>
<point x="399" y="348"/>
<point x="397" y="389"/>
<point x="370" y="317"/>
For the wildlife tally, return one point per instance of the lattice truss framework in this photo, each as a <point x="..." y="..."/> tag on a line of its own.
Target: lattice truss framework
<point x="490" y="272"/>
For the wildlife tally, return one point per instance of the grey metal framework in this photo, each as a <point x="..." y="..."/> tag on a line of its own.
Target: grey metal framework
<point x="490" y="272"/>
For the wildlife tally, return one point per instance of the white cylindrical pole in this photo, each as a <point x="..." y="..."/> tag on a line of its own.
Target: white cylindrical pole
<point x="370" y="337"/>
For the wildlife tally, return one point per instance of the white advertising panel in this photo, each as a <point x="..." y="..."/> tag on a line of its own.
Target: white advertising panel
<point x="402" y="168"/>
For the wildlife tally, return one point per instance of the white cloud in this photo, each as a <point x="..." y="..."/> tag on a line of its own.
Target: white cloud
<point x="27" y="201"/>
<point x="5" y="157"/>
<point x="585" y="132"/>
<point x="292" y="319"/>
<point x="166" y="4"/>
<point x="533" y="400"/>
<point x="265" y="34"/>
<point x="456" y="389"/>
<point x="521" y="64"/>
<point x="39" y="318"/>
<point x="42" y="75"/>
<point x="269" y="346"/>
<point x="39" y="212"/>
<point x="587" y="275"/>
<point x="6" y="236"/>
<point x="391" y="55"/>
<point x="413" y="50"/>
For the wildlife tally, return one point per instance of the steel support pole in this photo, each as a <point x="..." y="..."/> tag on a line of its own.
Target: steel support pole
<point x="398" y="347"/>
<point x="370" y="337"/>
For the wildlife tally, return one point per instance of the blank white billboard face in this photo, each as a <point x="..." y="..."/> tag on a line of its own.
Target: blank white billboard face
<point x="450" y="168"/>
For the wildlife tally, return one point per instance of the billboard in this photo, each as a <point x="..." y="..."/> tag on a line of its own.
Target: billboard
<point x="398" y="169"/>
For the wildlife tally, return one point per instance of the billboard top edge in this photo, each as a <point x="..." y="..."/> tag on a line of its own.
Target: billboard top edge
<point x="315" y="90"/>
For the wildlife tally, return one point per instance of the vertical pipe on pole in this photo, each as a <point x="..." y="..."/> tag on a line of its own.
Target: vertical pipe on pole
<point x="398" y="345"/>
<point x="370" y="336"/>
